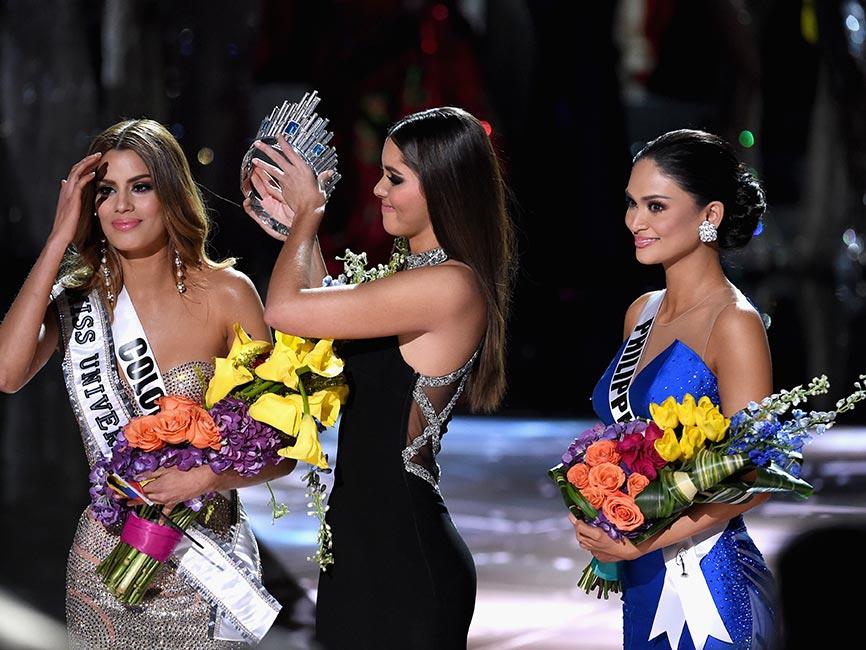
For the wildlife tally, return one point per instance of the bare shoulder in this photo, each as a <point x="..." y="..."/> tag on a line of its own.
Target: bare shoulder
<point x="451" y="284"/>
<point x="738" y="323"/>
<point x="229" y="284"/>
<point x="634" y="311"/>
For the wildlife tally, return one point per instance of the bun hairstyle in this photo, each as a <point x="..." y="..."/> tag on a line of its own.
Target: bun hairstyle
<point x="706" y="167"/>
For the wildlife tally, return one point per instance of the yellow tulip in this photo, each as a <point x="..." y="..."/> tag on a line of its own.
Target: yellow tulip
<point x="322" y="360"/>
<point x="306" y="447"/>
<point x="325" y="403"/>
<point x="665" y="414"/>
<point x="692" y="440"/>
<point x="686" y="410"/>
<point x="668" y="447"/>
<point x="281" y="412"/>
<point x="711" y="421"/>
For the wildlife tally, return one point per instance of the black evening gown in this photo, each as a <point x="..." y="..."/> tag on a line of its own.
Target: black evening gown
<point x="402" y="576"/>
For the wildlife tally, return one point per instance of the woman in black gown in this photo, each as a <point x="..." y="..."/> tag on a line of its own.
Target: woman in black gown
<point x="414" y="344"/>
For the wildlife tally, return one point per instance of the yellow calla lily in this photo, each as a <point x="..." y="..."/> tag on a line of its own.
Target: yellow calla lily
<point x="306" y="447"/>
<point x="244" y="347"/>
<point x="281" y="412"/>
<point x="283" y="363"/>
<point x="668" y="447"/>
<point x="665" y="414"/>
<point x="692" y="440"/>
<point x="226" y="376"/>
<point x="322" y="360"/>
<point x="325" y="403"/>
<point x="711" y="421"/>
<point x="230" y="372"/>
<point x="686" y="410"/>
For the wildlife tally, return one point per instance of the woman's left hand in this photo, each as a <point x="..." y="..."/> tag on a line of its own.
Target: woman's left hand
<point x="599" y="543"/>
<point x="171" y="486"/>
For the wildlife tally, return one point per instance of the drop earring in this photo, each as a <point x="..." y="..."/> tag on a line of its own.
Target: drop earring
<point x="106" y="273"/>
<point x="179" y="275"/>
<point x="707" y="232"/>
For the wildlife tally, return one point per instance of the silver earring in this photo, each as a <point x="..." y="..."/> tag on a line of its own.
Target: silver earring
<point x="106" y="273"/>
<point x="178" y="273"/>
<point x="707" y="232"/>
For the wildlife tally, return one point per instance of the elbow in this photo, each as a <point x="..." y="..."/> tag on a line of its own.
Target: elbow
<point x="8" y="385"/>
<point x="279" y="317"/>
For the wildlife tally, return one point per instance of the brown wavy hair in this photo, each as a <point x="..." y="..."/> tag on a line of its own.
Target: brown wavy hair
<point x="454" y="159"/>
<point x="186" y="220"/>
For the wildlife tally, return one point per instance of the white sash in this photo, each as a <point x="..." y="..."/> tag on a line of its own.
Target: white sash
<point x="624" y="372"/>
<point x="685" y="596"/>
<point x="135" y="355"/>
<point x="226" y="576"/>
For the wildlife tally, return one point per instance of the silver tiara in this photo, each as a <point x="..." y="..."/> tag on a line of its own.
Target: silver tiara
<point x="306" y="133"/>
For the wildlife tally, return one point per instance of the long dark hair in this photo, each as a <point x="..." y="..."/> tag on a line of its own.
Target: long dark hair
<point x="460" y="177"/>
<point x="186" y="220"/>
<point x="706" y="167"/>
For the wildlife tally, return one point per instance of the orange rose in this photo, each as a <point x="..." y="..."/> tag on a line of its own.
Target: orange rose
<point x="140" y="433"/>
<point x="594" y="495"/>
<point x="636" y="483"/>
<point x="173" y="426"/>
<point x="174" y="403"/>
<point x="203" y="431"/>
<point x="622" y="512"/>
<point x="578" y="475"/>
<point x="603" y="451"/>
<point x="607" y="477"/>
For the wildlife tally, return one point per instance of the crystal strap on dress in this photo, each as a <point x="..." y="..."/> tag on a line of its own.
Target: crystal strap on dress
<point x="435" y="421"/>
<point x="426" y="258"/>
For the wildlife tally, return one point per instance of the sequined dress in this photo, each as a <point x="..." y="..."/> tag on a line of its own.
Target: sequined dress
<point x="173" y="614"/>
<point x="738" y="578"/>
<point x="402" y="577"/>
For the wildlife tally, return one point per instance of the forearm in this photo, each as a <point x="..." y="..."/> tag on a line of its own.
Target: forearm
<point x="20" y="329"/>
<point x="318" y="269"/>
<point x="294" y="267"/>
<point x="231" y="480"/>
<point x="696" y="520"/>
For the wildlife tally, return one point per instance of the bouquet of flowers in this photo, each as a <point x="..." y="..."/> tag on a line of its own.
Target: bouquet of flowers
<point x="264" y="403"/>
<point x="634" y="479"/>
<point x="295" y="388"/>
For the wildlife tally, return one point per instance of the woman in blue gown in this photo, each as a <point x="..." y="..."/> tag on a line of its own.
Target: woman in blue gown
<point x="700" y="583"/>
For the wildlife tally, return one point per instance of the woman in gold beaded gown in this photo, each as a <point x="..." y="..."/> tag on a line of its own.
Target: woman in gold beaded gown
<point x="138" y="226"/>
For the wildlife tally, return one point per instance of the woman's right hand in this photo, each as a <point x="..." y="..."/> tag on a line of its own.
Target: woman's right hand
<point x="272" y="201"/>
<point x="69" y="202"/>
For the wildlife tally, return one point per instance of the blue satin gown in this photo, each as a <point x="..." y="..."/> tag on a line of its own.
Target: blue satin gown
<point x="738" y="578"/>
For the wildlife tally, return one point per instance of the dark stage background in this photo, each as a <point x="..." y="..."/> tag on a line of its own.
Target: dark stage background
<point x="570" y="89"/>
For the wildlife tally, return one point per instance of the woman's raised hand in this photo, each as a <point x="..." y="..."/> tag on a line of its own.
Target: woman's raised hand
<point x="300" y="189"/>
<point x="271" y="200"/>
<point x="69" y="202"/>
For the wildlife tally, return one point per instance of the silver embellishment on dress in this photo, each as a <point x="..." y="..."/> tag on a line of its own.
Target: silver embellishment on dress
<point x="426" y="258"/>
<point x="435" y="421"/>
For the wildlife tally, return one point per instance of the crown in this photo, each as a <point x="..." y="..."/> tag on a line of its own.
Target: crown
<point x="306" y="133"/>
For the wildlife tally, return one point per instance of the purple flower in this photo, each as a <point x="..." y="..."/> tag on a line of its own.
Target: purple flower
<point x="248" y="445"/>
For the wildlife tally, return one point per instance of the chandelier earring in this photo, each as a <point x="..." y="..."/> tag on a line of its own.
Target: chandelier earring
<point x="179" y="273"/>
<point x="707" y="232"/>
<point x="106" y="272"/>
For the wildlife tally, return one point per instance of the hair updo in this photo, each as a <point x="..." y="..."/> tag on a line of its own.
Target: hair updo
<point x="706" y="167"/>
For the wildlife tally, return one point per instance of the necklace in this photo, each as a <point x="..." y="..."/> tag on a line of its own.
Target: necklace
<point x="427" y="258"/>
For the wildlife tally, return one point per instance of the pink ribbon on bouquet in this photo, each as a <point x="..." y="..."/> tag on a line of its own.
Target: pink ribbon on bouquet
<point x="151" y="538"/>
